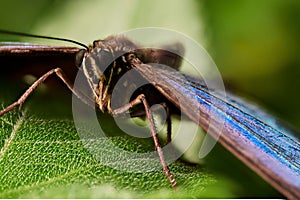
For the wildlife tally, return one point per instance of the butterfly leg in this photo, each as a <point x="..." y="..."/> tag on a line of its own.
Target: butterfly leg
<point x="142" y="99"/>
<point x="26" y="94"/>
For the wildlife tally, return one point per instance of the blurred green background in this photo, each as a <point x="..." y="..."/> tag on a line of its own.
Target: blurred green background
<point x="255" y="44"/>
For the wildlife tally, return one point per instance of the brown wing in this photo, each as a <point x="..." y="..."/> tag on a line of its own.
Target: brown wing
<point x="251" y="135"/>
<point x="19" y="59"/>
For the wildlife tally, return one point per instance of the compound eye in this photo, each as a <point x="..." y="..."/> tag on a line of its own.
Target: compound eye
<point x="79" y="57"/>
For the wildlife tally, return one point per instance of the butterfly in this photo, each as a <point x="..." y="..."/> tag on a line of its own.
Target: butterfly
<point x="260" y="140"/>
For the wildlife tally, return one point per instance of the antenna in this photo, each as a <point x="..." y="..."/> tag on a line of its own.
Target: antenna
<point x="41" y="36"/>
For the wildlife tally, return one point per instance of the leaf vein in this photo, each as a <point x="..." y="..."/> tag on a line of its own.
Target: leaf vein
<point x="12" y="136"/>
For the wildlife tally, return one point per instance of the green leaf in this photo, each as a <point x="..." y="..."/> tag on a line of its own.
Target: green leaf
<point x="43" y="158"/>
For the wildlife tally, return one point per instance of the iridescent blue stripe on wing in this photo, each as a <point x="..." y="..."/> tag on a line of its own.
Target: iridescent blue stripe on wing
<point x="274" y="142"/>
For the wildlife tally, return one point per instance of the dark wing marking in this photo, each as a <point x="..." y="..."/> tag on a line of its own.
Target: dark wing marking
<point x="19" y="59"/>
<point x="26" y="58"/>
